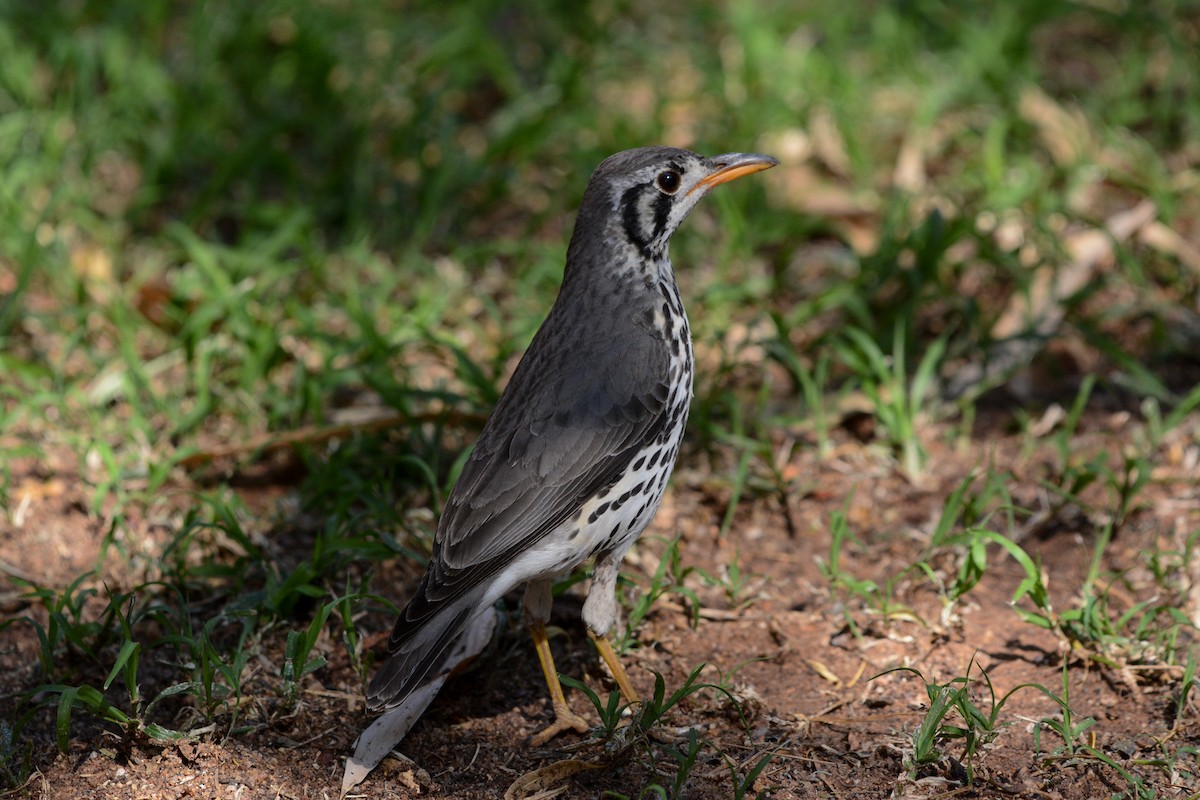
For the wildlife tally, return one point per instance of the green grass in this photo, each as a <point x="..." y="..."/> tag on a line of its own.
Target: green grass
<point x="639" y="736"/>
<point x="226" y="224"/>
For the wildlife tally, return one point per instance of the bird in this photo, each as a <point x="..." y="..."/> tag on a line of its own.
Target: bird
<point x="573" y="461"/>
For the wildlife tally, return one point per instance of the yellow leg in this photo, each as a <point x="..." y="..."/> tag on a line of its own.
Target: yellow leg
<point x="564" y="718"/>
<point x="614" y="666"/>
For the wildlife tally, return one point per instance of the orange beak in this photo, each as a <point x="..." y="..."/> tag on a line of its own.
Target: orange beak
<point x="732" y="165"/>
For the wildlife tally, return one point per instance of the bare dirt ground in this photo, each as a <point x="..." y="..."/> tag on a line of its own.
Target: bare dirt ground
<point x="811" y="690"/>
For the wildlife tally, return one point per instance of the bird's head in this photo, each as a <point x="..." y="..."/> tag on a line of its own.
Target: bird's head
<point x="641" y="196"/>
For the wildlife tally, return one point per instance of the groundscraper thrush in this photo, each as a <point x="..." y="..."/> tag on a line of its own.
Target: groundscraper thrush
<point x="574" y="459"/>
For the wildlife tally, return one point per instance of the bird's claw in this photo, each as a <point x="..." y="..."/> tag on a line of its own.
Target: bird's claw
<point x="564" y="720"/>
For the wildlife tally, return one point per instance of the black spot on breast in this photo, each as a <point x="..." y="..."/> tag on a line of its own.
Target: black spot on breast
<point x="638" y="464"/>
<point x="598" y="512"/>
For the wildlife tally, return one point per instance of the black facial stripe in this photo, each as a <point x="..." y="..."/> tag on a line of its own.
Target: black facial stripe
<point x="662" y="210"/>
<point x="629" y="218"/>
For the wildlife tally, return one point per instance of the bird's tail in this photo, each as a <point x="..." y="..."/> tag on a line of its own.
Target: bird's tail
<point x="418" y="650"/>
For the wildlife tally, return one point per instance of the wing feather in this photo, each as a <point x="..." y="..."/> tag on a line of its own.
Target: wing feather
<point x="547" y="448"/>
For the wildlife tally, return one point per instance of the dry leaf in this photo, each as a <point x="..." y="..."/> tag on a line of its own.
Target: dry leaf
<point x="1165" y="240"/>
<point x="547" y="782"/>
<point x="824" y="671"/>
<point x="828" y="143"/>
<point x="1065" y="133"/>
<point x="909" y="174"/>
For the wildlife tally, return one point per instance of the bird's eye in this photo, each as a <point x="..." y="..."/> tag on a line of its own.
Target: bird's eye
<point x="668" y="181"/>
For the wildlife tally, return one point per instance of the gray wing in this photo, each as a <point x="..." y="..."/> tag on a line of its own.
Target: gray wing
<point x="567" y="426"/>
<point x="549" y="451"/>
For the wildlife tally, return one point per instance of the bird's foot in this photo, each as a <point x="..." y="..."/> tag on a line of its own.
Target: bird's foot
<point x="564" y="720"/>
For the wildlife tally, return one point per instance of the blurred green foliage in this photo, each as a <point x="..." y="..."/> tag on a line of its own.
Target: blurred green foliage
<point x="409" y="121"/>
<point x="219" y="214"/>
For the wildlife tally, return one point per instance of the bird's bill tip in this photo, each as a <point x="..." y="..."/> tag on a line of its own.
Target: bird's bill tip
<point x="734" y="165"/>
